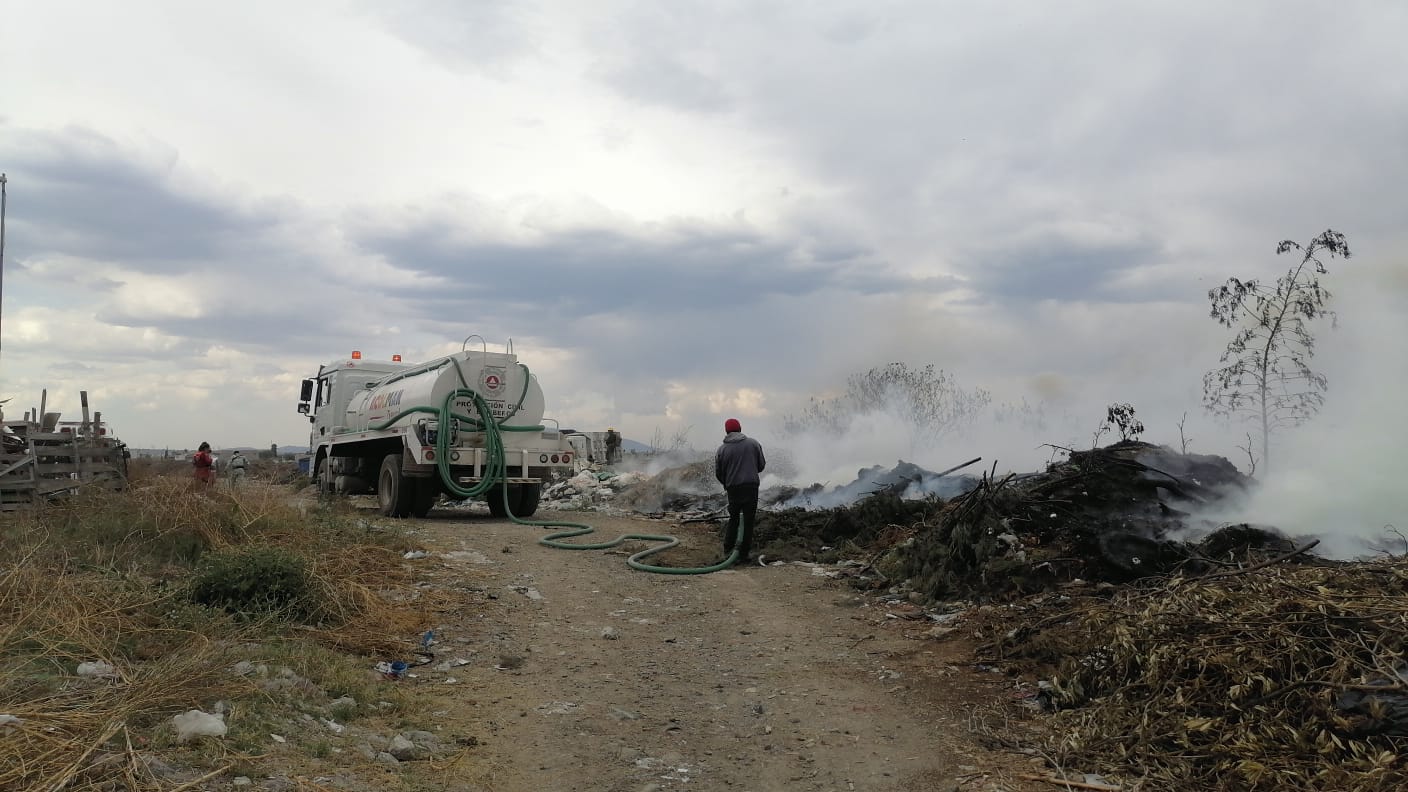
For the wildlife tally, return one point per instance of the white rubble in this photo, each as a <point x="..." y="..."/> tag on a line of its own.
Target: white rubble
<point x="97" y="669"/>
<point x="194" y="723"/>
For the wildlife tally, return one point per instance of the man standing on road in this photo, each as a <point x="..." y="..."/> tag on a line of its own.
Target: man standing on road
<point x="737" y="465"/>
<point x="613" y="446"/>
<point x="238" y="464"/>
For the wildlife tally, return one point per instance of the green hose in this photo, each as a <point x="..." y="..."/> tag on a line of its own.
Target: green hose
<point x="633" y="561"/>
<point x="496" y="467"/>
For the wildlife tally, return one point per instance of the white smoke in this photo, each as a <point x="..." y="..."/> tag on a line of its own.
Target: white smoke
<point x="885" y="438"/>
<point x="1343" y="477"/>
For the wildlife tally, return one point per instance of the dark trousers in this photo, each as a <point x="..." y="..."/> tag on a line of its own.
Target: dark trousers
<point x="742" y="503"/>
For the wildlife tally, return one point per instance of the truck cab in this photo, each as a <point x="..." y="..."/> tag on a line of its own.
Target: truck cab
<point x="326" y="398"/>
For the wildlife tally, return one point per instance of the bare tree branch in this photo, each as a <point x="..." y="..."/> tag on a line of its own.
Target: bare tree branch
<point x="1267" y="370"/>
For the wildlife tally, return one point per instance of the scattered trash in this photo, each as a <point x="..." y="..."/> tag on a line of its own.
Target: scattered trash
<point x="559" y="708"/>
<point x="412" y="555"/>
<point x="9" y="722"/>
<point x="393" y="670"/>
<point x="527" y="591"/>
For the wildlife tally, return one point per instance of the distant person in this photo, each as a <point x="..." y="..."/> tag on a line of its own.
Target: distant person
<point x="737" y="465"/>
<point x="238" y="466"/>
<point x="613" y="446"/>
<point x="204" y="464"/>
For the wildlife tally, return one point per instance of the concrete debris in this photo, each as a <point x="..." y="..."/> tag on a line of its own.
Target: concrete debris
<point x="588" y="491"/>
<point x="403" y="749"/>
<point x="194" y="723"/>
<point x="97" y="669"/>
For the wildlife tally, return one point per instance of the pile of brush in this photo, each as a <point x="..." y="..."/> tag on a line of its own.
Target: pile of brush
<point x="1279" y="677"/>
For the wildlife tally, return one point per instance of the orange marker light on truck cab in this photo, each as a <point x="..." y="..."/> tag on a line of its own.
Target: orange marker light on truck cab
<point x="395" y="358"/>
<point x="356" y="355"/>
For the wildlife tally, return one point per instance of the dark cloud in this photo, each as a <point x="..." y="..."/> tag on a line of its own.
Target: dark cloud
<point x="77" y="193"/>
<point x="1210" y="131"/>
<point x="1054" y="266"/>
<point x="584" y="272"/>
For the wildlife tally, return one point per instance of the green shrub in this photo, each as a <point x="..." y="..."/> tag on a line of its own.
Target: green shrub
<point x="256" y="581"/>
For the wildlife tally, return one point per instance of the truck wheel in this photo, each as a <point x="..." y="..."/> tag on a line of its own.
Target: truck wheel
<point x="322" y="477"/>
<point x="394" y="493"/>
<point x="495" y="499"/>
<point x="427" y="493"/>
<point x="526" y="502"/>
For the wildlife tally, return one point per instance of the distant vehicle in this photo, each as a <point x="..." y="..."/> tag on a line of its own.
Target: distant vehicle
<point x="377" y="427"/>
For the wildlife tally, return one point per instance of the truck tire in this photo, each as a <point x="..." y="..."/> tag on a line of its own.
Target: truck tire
<point x="427" y="492"/>
<point x="322" y="477"/>
<point x="526" y="502"/>
<point x="394" y="492"/>
<point x="495" y="499"/>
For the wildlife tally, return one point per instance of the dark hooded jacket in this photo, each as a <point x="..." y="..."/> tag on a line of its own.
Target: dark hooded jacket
<point x="739" y="460"/>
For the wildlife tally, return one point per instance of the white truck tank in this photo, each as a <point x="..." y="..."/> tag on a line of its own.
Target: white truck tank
<point x="505" y="385"/>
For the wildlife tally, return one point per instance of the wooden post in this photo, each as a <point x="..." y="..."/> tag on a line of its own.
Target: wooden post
<point x="85" y="429"/>
<point x="33" y="468"/>
<point x="43" y="405"/>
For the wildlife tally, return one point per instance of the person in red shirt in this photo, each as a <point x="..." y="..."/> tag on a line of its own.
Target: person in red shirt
<point x="205" y="464"/>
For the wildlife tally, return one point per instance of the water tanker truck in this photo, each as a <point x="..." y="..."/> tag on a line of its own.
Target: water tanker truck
<point x="468" y="424"/>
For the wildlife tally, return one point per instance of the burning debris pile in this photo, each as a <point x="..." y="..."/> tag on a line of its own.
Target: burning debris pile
<point x="1271" y="678"/>
<point x="905" y="480"/>
<point x="1116" y="514"/>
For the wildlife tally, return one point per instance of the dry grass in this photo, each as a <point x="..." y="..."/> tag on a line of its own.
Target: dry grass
<point x="103" y="578"/>
<point x="1286" y="678"/>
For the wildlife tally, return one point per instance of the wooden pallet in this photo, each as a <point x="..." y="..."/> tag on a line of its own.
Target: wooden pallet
<point x="44" y="459"/>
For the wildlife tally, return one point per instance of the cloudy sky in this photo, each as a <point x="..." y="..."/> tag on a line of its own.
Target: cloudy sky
<point x="683" y="211"/>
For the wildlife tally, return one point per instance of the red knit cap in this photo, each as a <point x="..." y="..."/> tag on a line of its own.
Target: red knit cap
<point x="732" y="425"/>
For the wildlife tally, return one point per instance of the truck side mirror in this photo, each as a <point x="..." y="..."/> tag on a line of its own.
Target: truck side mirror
<point x="303" y="408"/>
<point x="306" y="393"/>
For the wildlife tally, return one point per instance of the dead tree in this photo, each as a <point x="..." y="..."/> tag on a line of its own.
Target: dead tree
<point x="1266" y="372"/>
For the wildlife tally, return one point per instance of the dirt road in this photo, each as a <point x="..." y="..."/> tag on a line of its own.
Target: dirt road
<point x="585" y="675"/>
